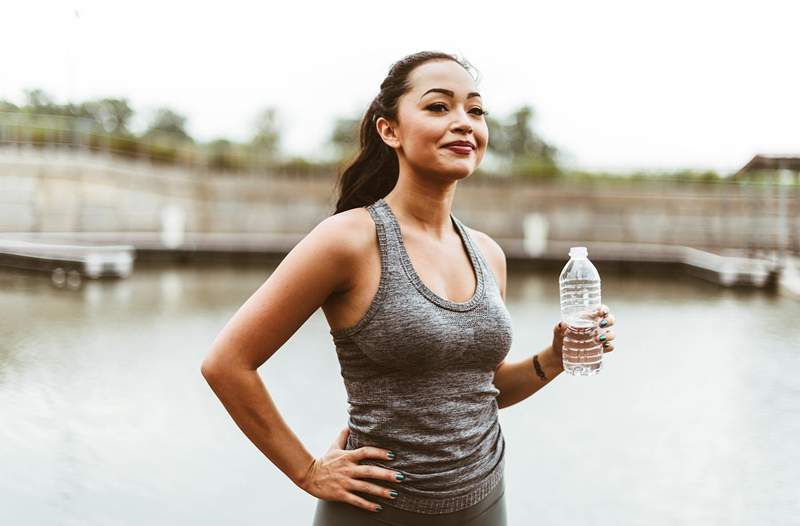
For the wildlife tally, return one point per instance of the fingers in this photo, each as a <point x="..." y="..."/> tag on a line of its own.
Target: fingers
<point x="372" y="452"/>
<point x="359" y="502"/>
<point x="605" y="335"/>
<point x="372" y="489"/>
<point x="366" y="471"/>
<point x="602" y="311"/>
<point x="607" y="321"/>
<point x="606" y="338"/>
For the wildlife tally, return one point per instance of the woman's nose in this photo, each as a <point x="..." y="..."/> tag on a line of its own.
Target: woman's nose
<point x="461" y="121"/>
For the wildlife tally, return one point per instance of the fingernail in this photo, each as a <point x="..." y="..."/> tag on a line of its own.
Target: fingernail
<point x="400" y="476"/>
<point x="603" y="323"/>
<point x="605" y="310"/>
<point x="378" y="507"/>
<point x="391" y="455"/>
<point x="602" y="337"/>
<point x="393" y="494"/>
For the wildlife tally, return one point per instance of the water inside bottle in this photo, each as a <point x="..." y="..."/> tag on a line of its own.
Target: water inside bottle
<point x="581" y="354"/>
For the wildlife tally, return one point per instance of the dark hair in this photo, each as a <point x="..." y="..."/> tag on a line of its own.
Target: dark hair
<point x="374" y="171"/>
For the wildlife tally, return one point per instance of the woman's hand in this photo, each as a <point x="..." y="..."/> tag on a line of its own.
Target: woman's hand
<point x="336" y="474"/>
<point x="603" y="320"/>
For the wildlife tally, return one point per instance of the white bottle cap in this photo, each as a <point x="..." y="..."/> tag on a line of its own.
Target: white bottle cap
<point x="578" y="252"/>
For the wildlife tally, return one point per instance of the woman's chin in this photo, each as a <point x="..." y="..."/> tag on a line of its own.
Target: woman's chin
<point x="461" y="170"/>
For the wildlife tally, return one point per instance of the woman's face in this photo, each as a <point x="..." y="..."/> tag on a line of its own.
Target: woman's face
<point x="441" y="107"/>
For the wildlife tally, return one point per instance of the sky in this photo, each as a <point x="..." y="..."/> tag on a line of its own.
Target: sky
<point x="615" y="85"/>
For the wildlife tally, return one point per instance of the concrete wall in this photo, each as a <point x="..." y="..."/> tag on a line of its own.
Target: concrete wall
<point x="64" y="191"/>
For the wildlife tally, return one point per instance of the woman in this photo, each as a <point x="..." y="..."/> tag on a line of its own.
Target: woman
<point x="415" y="301"/>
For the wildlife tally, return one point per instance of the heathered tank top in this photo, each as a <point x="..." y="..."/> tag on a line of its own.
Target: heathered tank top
<point x="418" y="372"/>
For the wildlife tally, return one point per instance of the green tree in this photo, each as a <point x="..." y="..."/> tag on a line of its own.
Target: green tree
<point x="515" y="141"/>
<point x="168" y="123"/>
<point x="111" y="115"/>
<point x="345" y="136"/>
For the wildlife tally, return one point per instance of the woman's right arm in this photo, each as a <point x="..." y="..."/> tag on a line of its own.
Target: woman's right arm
<point x="319" y="265"/>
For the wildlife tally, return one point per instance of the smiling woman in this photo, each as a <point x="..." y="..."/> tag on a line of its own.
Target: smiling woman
<point x="416" y="304"/>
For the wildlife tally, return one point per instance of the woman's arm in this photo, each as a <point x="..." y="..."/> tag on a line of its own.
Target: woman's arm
<point x="316" y="267"/>
<point x="517" y="381"/>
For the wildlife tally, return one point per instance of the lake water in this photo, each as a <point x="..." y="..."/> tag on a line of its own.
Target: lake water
<point x="106" y="419"/>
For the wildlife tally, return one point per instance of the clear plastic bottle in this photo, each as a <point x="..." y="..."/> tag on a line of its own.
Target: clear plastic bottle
<point x="579" y="286"/>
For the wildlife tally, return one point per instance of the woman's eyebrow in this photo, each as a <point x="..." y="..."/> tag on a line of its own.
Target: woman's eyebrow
<point x="449" y="93"/>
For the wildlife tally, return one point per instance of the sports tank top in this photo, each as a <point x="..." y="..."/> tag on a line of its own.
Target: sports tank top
<point x="418" y="371"/>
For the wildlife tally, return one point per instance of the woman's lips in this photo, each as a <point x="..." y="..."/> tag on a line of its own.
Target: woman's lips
<point x="463" y="150"/>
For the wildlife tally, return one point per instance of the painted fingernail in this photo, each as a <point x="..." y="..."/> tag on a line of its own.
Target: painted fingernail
<point x="603" y="323"/>
<point x="378" y="507"/>
<point x="391" y="455"/>
<point x="605" y="310"/>
<point x="393" y="494"/>
<point x="602" y="337"/>
<point x="400" y="476"/>
<point x="605" y="344"/>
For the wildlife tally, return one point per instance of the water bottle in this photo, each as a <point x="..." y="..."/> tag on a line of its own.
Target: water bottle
<point x="579" y="286"/>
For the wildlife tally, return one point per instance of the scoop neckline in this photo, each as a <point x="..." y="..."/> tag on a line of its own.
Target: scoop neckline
<point x="417" y="281"/>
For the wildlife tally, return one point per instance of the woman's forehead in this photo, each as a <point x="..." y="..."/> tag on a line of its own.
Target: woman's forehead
<point x="441" y="74"/>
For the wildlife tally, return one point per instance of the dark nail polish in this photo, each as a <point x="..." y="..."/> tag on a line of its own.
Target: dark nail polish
<point x="602" y="337"/>
<point x="378" y="507"/>
<point x="603" y="323"/>
<point x="400" y="476"/>
<point x="391" y="455"/>
<point x="393" y="494"/>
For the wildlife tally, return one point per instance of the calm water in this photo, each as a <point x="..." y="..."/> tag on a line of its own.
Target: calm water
<point x="694" y="419"/>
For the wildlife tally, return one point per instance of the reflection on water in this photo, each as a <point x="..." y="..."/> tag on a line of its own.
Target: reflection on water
<point x="107" y="420"/>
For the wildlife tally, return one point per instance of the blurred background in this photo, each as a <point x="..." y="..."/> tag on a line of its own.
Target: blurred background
<point x="158" y="160"/>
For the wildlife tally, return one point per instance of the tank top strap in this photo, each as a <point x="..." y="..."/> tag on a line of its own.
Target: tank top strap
<point x="387" y="236"/>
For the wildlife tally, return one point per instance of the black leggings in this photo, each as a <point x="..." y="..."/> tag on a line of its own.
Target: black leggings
<point x="490" y="511"/>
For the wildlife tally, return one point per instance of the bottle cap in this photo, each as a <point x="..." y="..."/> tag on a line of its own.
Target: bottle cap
<point x="578" y="252"/>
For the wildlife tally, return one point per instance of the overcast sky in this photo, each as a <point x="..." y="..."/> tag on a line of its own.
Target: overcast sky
<point x="615" y="84"/>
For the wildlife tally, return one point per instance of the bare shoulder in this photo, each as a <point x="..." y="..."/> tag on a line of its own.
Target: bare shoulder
<point x="494" y="255"/>
<point x="345" y="237"/>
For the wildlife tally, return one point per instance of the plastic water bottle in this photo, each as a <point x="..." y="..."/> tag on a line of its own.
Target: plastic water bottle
<point x="579" y="286"/>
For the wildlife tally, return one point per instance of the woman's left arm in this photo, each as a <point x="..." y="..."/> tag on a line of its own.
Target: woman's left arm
<point x="519" y="380"/>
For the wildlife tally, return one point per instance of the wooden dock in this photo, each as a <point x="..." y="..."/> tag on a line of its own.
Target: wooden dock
<point x="96" y="254"/>
<point x="67" y="263"/>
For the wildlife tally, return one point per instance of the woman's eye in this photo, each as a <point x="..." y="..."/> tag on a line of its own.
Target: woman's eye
<point x="474" y="111"/>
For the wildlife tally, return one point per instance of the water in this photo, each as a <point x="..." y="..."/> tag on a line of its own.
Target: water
<point x="106" y="419"/>
<point x="579" y="288"/>
<point x="582" y="355"/>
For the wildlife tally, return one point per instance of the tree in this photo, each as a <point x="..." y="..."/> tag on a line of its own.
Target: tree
<point x="267" y="137"/>
<point x="345" y="136"/>
<point x="515" y="141"/>
<point x="167" y="122"/>
<point x="112" y="115"/>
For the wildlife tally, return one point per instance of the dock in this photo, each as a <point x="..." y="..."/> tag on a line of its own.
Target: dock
<point x="98" y="254"/>
<point x="67" y="263"/>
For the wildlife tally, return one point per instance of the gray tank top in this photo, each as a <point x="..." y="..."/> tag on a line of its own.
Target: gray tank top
<point x="418" y="372"/>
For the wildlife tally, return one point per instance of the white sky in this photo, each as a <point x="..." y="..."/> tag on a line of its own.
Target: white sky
<point x="616" y="84"/>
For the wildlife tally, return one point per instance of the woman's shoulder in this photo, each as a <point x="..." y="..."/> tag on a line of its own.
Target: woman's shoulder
<point x="351" y="232"/>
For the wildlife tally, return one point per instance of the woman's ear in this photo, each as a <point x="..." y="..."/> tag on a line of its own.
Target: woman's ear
<point x="386" y="130"/>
